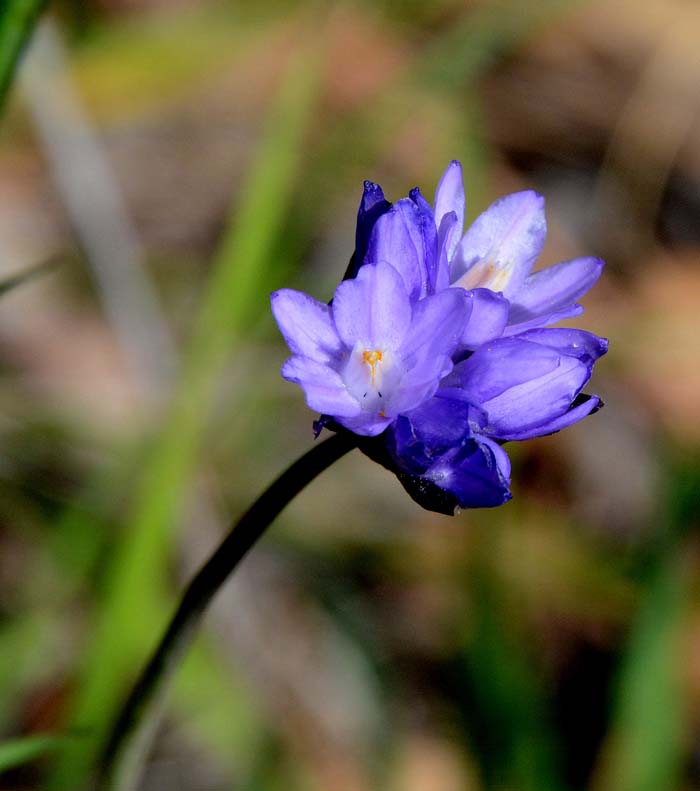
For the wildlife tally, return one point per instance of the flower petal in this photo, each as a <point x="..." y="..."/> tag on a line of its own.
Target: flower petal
<point x="435" y="334"/>
<point x="500" y="248"/>
<point x="372" y="205"/>
<point x="583" y="406"/>
<point x="550" y="290"/>
<point x="489" y="316"/>
<point x="437" y="325"/>
<point x="372" y="309"/>
<point x="306" y="324"/>
<point x="427" y="432"/>
<point x="544" y="321"/>
<point x="429" y="234"/>
<point x="583" y="345"/>
<point x="419" y="384"/>
<point x="520" y="384"/>
<point x="477" y="474"/>
<point x="368" y="424"/>
<point x="398" y="239"/>
<point x="447" y="234"/>
<point x="496" y="367"/>
<point x="449" y="197"/>
<point x="322" y="386"/>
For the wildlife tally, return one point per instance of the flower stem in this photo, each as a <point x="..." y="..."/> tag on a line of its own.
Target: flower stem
<point x="135" y="726"/>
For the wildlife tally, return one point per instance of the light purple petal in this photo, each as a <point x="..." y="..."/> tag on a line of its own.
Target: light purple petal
<point x="419" y="385"/>
<point x="586" y="346"/>
<point x="437" y="325"/>
<point x="536" y="401"/>
<point x="368" y="424"/>
<point x="501" y="247"/>
<point x="429" y="235"/>
<point x="520" y="384"/>
<point x="397" y="239"/>
<point x="434" y="336"/>
<point x="372" y="309"/>
<point x="496" y="367"/>
<point x="306" y="324"/>
<point x="488" y="318"/>
<point x="588" y="406"/>
<point x="550" y="290"/>
<point x="544" y="321"/>
<point x="323" y="387"/>
<point x="449" y="197"/>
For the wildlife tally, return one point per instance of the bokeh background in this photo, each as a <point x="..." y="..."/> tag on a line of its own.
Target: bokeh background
<point x="173" y="162"/>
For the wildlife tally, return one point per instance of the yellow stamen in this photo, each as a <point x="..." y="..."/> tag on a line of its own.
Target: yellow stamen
<point x="372" y="358"/>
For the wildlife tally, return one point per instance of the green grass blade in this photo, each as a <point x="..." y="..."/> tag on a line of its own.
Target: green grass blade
<point x="17" y="20"/>
<point x="646" y="748"/>
<point x="17" y="752"/>
<point x="510" y="724"/>
<point x="645" y="752"/>
<point x="131" y="617"/>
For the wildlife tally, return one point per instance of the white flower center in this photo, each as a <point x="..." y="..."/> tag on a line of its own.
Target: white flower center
<point x="371" y="375"/>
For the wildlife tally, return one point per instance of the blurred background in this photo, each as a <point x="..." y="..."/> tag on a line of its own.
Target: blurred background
<point x="171" y="163"/>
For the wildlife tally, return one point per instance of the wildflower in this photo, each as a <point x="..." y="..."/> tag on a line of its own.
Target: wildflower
<point x="373" y="353"/>
<point x="500" y="249"/>
<point x="514" y="388"/>
<point x="493" y="260"/>
<point x="435" y="349"/>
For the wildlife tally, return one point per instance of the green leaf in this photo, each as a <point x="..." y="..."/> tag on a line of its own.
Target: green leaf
<point x="16" y="752"/>
<point x="17" y="21"/>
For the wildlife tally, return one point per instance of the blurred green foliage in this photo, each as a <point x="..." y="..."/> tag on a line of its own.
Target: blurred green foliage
<point x="17" y="20"/>
<point x="231" y="301"/>
<point x="19" y="751"/>
<point x="543" y="646"/>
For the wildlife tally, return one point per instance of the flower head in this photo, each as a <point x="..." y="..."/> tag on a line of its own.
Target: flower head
<point x="435" y="348"/>
<point x="495" y="256"/>
<point x="374" y="353"/>
<point x="499" y="251"/>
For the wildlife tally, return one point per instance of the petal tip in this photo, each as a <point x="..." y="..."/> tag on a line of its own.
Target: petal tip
<point x="532" y="195"/>
<point x="372" y="197"/>
<point x="529" y="200"/>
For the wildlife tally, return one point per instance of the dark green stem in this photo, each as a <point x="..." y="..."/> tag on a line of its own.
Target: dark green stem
<point x="135" y="726"/>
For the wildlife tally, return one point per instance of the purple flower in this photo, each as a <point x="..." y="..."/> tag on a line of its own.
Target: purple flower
<point x="514" y="388"/>
<point x="434" y="349"/>
<point x="493" y="260"/>
<point x="499" y="251"/>
<point x="374" y="353"/>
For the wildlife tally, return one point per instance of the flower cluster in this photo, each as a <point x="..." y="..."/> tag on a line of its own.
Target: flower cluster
<point x="436" y="347"/>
